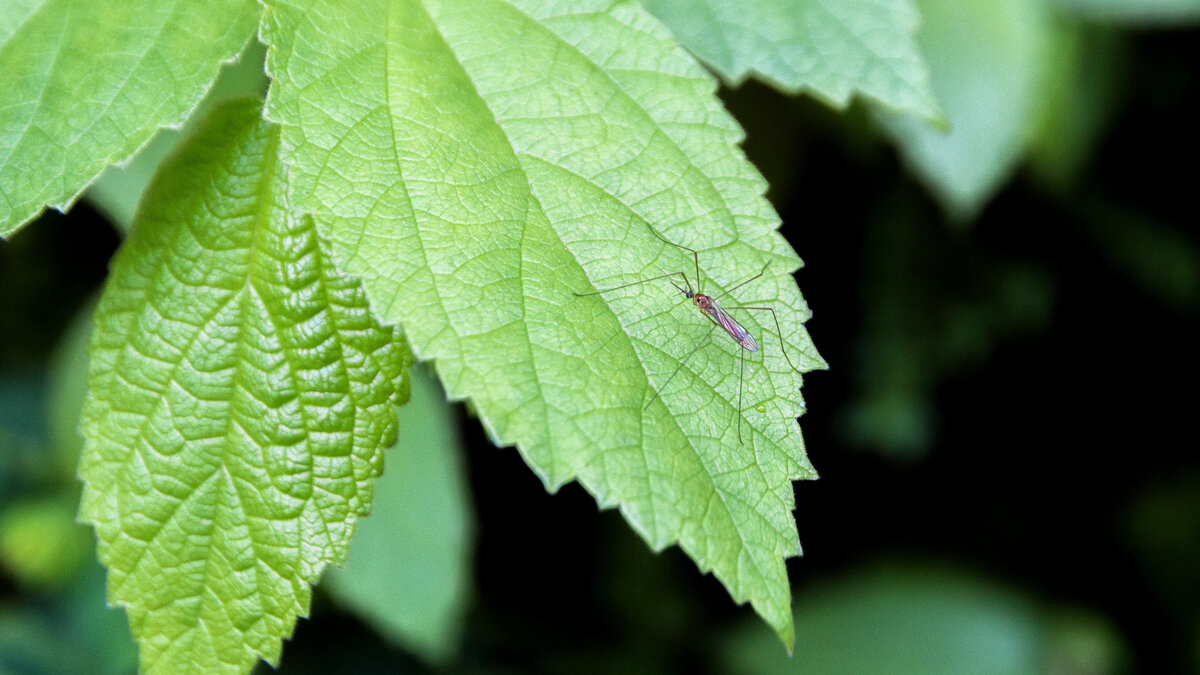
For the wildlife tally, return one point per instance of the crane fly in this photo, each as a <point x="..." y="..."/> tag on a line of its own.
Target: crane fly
<point x="707" y="304"/>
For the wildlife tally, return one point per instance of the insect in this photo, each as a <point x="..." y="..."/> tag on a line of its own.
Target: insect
<point x="719" y="318"/>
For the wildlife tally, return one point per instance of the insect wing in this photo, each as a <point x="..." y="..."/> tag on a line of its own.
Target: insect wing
<point x="731" y="326"/>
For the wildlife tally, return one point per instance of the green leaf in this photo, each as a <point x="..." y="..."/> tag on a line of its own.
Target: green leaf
<point x="87" y="83"/>
<point x="408" y="572"/>
<point x="119" y="189"/>
<point x="241" y="395"/>
<point x="477" y="165"/>
<point x="831" y="48"/>
<point x="989" y="60"/>
<point x="1144" y="12"/>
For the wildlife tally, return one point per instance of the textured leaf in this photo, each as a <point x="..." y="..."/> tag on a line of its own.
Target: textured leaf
<point x="408" y="572"/>
<point x="477" y="163"/>
<point x="989" y="60"/>
<point x="240" y="399"/>
<point x="87" y="83"/>
<point x="832" y="48"/>
<point x="118" y="190"/>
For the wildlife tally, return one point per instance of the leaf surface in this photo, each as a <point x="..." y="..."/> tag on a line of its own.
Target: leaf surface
<point x="477" y="164"/>
<point x="87" y="83"/>
<point x="118" y="190"/>
<point x="831" y="48"/>
<point x="241" y="396"/>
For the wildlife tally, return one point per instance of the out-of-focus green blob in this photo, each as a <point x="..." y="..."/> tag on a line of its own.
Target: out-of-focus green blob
<point x="1136" y="12"/>
<point x="905" y="617"/>
<point x="989" y="61"/>
<point x="833" y="49"/>
<point x="934" y="306"/>
<point x="72" y="631"/>
<point x="409" y="568"/>
<point x="1162" y="261"/>
<point x="40" y="542"/>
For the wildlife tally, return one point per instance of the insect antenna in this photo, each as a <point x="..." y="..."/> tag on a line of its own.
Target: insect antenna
<point x="637" y="283"/>
<point x="689" y="293"/>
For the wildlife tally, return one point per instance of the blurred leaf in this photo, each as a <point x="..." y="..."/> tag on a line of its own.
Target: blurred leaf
<point x="40" y="542"/>
<point x="1085" y="74"/>
<point x="1160" y="259"/>
<point x="408" y="571"/>
<point x="933" y="306"/>
<point x="87" y="83"/>
<point x="902" y="618"/>
<point x="119" y="189"/>
<point x="1151" y="12"/>
<point x="73" y="633"/>
<point x="1162" y="525"/>
<point x="1084" y="643"/>
<point x="894" y="416"/>
<point x="23" y="462"/>
<point x="21" y="395"/>
<point x="28" y="644"/>
<point x="240" y="399"/>
<point x="832" y="48"/>
<point x="67" y="391"/>
<point x="989" y="64"/>
<point x="14" y="453"/>
<point x="478" y="167"/>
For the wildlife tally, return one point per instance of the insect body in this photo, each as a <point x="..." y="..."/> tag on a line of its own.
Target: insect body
<point x="713" y="312"/>
<point x="709" y="308"/>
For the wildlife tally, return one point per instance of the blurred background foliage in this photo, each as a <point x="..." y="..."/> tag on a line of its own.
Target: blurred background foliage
<point x="1005" y="437"/>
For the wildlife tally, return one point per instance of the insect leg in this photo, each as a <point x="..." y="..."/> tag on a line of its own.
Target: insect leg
<point x="695" y="256"/>
<point x="684" y="360"/>
<point x="741" y="283"/>
<point x="741" y="378"/>
<point x="778" y="332"/>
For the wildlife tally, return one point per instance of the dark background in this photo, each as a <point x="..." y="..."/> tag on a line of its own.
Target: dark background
<point x="1012" y="398"/>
